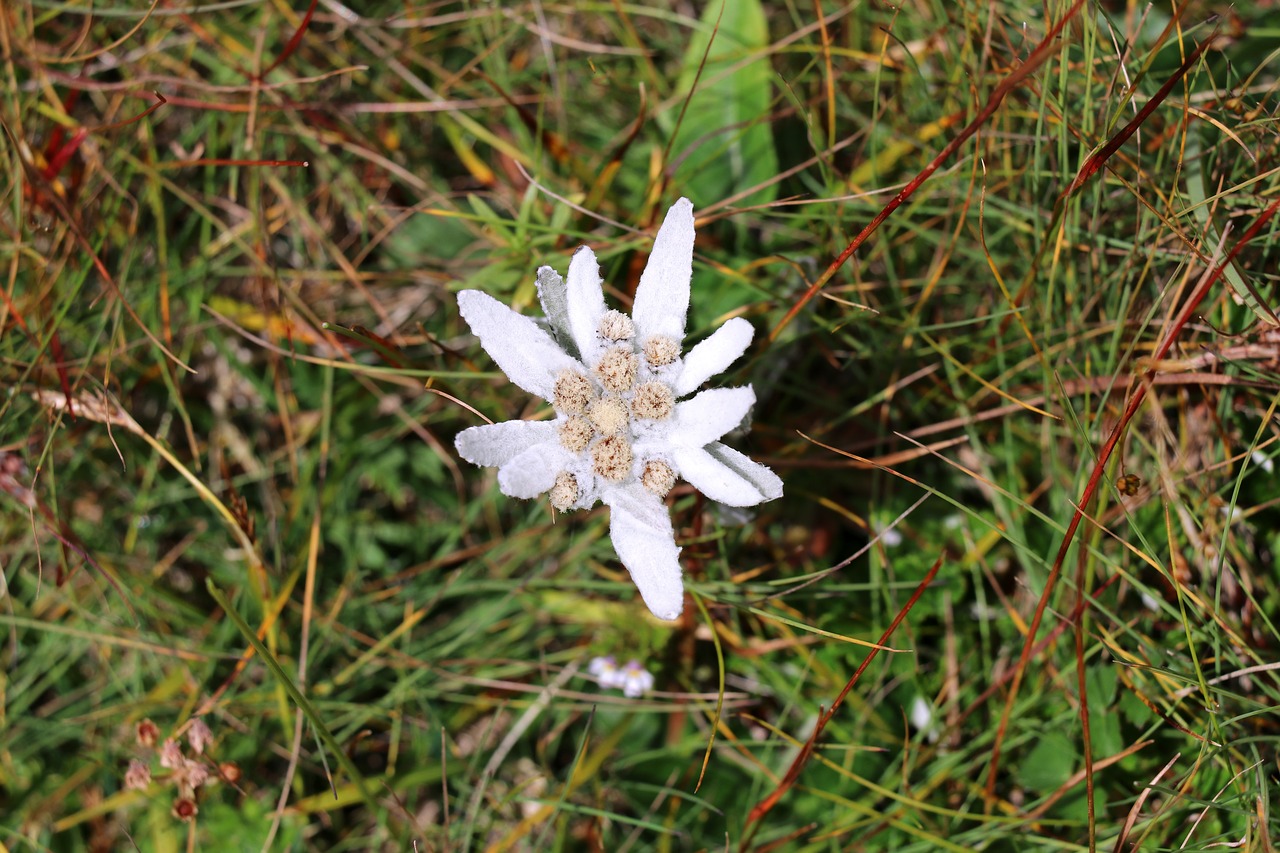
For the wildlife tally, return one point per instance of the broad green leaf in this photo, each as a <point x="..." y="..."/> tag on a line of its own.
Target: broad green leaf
<point x="725" y="144"/>
<point x="1049" y="764"/>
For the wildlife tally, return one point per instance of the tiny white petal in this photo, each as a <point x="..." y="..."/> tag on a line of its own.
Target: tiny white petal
<point x="662" y="296"/>
<point x="603" y="664"/>
<point x="533" y="471"/>
<point x="636" y="680"/>
<point x="715" y="479"/>
<point x="714" y="354"/>
<point x="922" y="719"/>
<point x="764" y="480"/>
<point x="709" y="415"/>
<point x="921" y="713"/>
<point x="890" y="538"/>
<point x="497" y="444"/>
<point x="640" y="527"/>
<point x="526" y="353"/>
<point x="586" y="303"/>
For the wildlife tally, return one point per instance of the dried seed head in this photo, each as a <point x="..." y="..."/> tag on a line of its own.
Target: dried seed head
<point x="184" y="808"/>
<point x="191" y="775"/>
<point x="612" y="458"/>
<point x="148" y="733"/>
<point x="617" y="369"/>
<point x="171" y="755"/>
<point x="572" y="393"/>
<point x="576" y="434"/>
<point x="609" y="415"/>
<point x="199" y="736"/>
<point x="660" y="351"/>
<point x="658" y="477"/>
<point x="138" y="776"/>
<point x="616" y="326"/>
<point x="653" y="400"/>
<point x="230" y="771"/>
<point x="564" y="493"/>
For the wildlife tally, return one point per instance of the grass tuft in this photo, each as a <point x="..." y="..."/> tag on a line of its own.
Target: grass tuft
<point x="1012" y="276"/>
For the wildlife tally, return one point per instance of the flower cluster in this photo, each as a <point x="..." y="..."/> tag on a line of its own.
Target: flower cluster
<point x="632" y="679"/>
<point x="622" y="432"/>
<point x="186" y="775"/>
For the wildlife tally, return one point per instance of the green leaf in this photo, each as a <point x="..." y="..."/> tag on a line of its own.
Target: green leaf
<point x="1102" y="683"/>
<point x="1049" y="764"/>
<point x="724" y="144"/>
<point x="1105" y="730"/>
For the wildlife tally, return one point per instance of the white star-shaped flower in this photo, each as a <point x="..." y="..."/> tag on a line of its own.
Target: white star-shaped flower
<point x="622" y="434"/>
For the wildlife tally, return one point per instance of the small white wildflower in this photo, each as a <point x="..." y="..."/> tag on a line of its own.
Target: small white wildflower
<point x="636" y="680"/>
<point x="632" y="679"/>
<point x="922" y="719"/>
<point x="605" y="671"/>
<point x="1263" y="461"/>
<point x="624" y="378"/>
<point x="889" y="537"/>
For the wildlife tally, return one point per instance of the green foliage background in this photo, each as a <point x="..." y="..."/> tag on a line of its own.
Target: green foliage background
<point x="231" y="383"/>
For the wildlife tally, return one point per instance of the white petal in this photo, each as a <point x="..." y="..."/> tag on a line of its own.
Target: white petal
<point x="555" y="304"/>
<point x="640" y="527"/>
<point x="765" y="481"/>
<point x="714" y="354"/>
<point x="709" y="415"/>
<point x="586" y="303"/>
<point x="497" y="444"/>
<point x="715" y="479"/>
<point x="662" y="297"/>
<point x="533" y="471"/>
<point x="527" y="354"/>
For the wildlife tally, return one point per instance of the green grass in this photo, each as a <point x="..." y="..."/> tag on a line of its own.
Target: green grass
<point x="274" y="533"/>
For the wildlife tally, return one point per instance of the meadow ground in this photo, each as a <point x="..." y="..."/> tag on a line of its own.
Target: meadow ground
<point x="1026" y="427"/>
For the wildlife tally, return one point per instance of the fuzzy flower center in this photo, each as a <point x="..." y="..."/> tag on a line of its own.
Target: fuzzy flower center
<point x="653" y="401"/>
<point x="616" y="326"/>
<point x="572" y="393"/>
<point x="576" y="433"/>
<point x="658" y="477"/>
<point x="564" y="493"/>
<point x="609" y="415"/>
<point x="611" y="458"/>
<point x="660" y="351"/>
<point x="602" y="412"/>
<point x="617" y="369"/>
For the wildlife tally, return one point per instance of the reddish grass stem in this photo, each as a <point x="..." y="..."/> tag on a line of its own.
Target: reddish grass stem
<point x="763" y="807"/>
<point x="1091" y="488"/>
<point x="1046" y="48"/>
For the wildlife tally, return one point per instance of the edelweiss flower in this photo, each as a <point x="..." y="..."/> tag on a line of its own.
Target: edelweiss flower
<point x="621" y="434"/>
